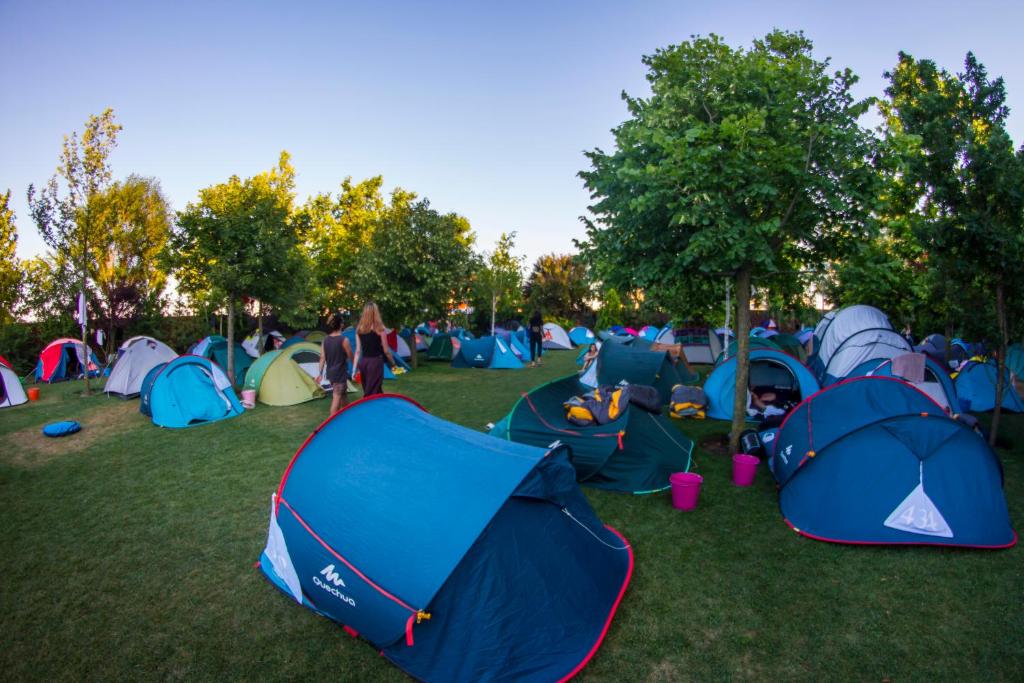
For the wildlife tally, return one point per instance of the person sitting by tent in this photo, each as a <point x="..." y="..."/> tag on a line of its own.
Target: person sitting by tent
<point x="371" y="348"/>
<point x="334" y="356"/>
<point x="589" y="358"/>
<point x="762" y="404"/>
<point x="535" y="330"/>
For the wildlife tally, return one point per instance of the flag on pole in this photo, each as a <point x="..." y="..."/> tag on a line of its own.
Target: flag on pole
<point x="81" y="310"/>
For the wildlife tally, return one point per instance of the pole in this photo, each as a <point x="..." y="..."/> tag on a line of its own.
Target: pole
<point x="725" y="333"/>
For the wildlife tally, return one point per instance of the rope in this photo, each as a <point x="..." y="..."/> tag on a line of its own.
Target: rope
<point x="589" y="531"/>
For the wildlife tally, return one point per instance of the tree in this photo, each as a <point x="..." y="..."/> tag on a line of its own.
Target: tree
<point x="129" y="279"/>
<point x="67" y="220"/>
<point x="417" y="264"/>
<point x="238" y="240"/>
<point x="964" y="182"/>
<point x="610" y="312"/>
<point x="498" y="282"/>
<point x="741" y="164"/>
<point x="558" y="285"/>
<point x="338" y="229"/>
<point x="10" y="268"/>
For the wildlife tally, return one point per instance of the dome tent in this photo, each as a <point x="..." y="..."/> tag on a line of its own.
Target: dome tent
<point x="486" y="352"/>
<point x="441" y="584"/>
<point x="135" y="358"/>
<point x="637" y="364"/>
<point x="188" y="391"/>
<point x="853" y="335"/>
<point x="873" y="460"/>
<point x="215" y="348"/>
<point x="976" y="386"/>
<point x="768" y="368"/>
<point x="11" y="391"/>
<point x="63" y="359"/>
<point x="555" y="338"/>
<point x="937" y="384"/>
<point x="286" y="377"/>
<point x="581" y="336"/>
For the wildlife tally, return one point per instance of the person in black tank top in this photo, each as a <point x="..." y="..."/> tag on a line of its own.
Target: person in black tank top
<point x="371" y="349"/>
<point x="334" y="356"/>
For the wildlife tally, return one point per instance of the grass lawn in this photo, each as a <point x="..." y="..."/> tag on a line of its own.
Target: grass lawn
<point x="127" y="554"/>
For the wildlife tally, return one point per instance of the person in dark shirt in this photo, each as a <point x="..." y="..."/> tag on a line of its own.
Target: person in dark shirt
<point x="371" y="349"/>
<point x="334" y="356"/>
<point x="535" y="331"/>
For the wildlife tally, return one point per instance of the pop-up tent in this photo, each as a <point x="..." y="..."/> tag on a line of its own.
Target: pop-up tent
<point x="11" y="391"/>
<point x="937" y="384"/>
<point x="790" y="379"/>
<point x="1015" y="361"/>
<point x="874" y="460"/>
<point x="482" y="562"/>
<point x="555" y="338"/>
<point x="581" y="336"/>
<point x="441" y="348"/>
<point x="486" y="352"/>
<point x="636" y="364"/>
<point x="135" y="358"/>
<point x="850" y="336"/>
<point x="64" y="359"/>
<point x="976" y="387"/>
<point x="753" y="343"/>
<point x="286" y="377"/>
<point x="188" y="391"/>
<point x="634" y="453"/>
<point x="215" y="348"/>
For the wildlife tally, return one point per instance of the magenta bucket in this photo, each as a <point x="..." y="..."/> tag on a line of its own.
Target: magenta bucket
<point x="744" y="468"/>
<point x="685" y="489"/>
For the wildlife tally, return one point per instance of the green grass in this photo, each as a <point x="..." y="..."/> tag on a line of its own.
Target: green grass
<point x="127" y="554"/>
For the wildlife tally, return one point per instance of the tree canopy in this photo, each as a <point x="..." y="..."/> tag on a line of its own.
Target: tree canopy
<point x="10" y="268"/>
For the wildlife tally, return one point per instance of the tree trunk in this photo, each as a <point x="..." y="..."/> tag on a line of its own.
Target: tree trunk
<point x="949" y="346"/>
<point x="231" y="339"/>
<point x="1000" y="364"/>
<point x="85" y="301"/>
<point x="739" y="404"/>
<point x="259" y="331"/>
<point x="494" y="310"/>
<point x="412" y="348"/>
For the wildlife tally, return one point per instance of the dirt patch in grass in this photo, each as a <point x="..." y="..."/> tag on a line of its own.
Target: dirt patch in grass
<point x="715" y="444"/>
<point x="28" y="447"/>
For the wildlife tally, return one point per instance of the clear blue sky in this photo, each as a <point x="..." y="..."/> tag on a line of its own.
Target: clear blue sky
<point x="484" y="108"/>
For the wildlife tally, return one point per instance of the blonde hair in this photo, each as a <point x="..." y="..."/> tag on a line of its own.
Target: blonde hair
<point x="370" y="320"/>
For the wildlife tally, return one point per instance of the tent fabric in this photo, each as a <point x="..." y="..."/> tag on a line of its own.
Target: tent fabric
<point x="937" y="384"/>
<point x="873" y="460"/>
<point x="768" y="367"/>
<point x="791" y="345"/>
<point x="188" y="391"/>
<point x="1015" y="360"/>
<point x="637" y="364"/>
<point x="836" y="327"/>
<point x="581" y="336"/>
<point x="555" y="338"/>
<point x="63" y="359"/>
<point x="441" y="348"/>
<point x="370" y="534"/>
<point x="753" y="343"/>
<point x="976" y="388"/>
<point x="135" y="358"/>
<point x="860" y="347"/>
<point x="6" y="363"/>
<point x="486" y="352"/>
<point x="286" y="377"/>
<point x="11" y="391"/>
<point x="634" y="453"/>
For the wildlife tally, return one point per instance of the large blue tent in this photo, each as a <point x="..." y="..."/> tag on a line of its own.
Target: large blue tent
<point x="976" y="386"/>
<point x="873" y="460"/>
<point x="482" y="562"/>
<point x="768" y="368"/>
<point x="486" y="352"/>
<point x="188" y="391"/>
<point x="937" y="382"/>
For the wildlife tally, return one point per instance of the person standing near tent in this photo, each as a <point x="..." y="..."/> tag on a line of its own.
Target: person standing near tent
<point x="371" y="348"/>
<point x="535" y="330"/>
<point x="334" y="356"/>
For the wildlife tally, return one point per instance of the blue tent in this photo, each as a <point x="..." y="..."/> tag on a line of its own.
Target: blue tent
<point x="482" y="562"/>
<point x="874" y="460"/>
<point x="791" y="379"/>
<point x="581" y="336"/>
<point x="976" y="388"/>
<point x="937" y="382"/>
<point x="486" y="352"/>
<point x="188" y="391"/>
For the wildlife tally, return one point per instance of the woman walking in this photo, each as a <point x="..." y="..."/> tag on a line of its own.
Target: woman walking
<point x="536" y="334"/>
<point x="334" y="356"/>
<point x="371" y="349"/>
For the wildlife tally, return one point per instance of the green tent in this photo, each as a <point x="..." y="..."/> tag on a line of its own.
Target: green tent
<point x="441" y="348"/>
<point x="790" y="345"/>
<point x="637" y="364"/>
<point x="755" y="343"/>
<point x="286" y="377"/>
<point x="635" y="453"/>
<point x="217" y="351"/>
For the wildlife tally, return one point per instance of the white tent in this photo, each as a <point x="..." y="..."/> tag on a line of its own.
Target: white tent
<point x="402" y="345"/>
<point x="11" y="391"/>
<point x="136" y="357"/>
<point x="555" y="337"/>
<point x="848" y="337"/>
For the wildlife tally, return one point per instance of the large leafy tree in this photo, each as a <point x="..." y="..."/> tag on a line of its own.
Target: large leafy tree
<point x="10" y="267"/>
<point x="417" y="263"/>
<point x="559" y="286"/>
<point x="338" y="229"/>
<point x="65" y="210"/>
<point x="498" y="281"/>
<point x="129" y="277"/>
<point x="741" y="164"/>
<point x="238" y="239"/>
<point x="965" y="182"/>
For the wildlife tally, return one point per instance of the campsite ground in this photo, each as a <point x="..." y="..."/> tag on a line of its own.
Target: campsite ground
<point x="128" y="550"/>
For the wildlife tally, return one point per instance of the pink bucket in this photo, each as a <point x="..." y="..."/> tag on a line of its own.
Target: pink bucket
<point x="744" y="468"/>
<point x="685" y="489"/>
<point x="249" y="398"/>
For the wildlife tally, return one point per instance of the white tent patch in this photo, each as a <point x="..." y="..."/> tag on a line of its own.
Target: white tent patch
<point x="277" y="551"/>
<point x="917" y="514"/>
